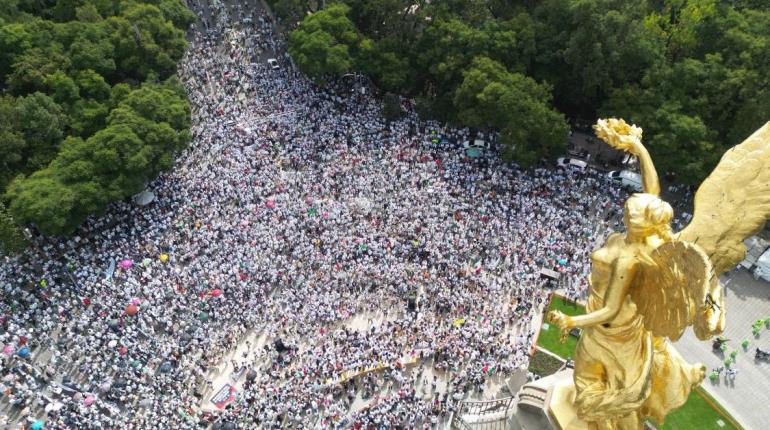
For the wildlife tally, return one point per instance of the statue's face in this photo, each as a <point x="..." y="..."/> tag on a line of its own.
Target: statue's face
<point x="633" y="215"/>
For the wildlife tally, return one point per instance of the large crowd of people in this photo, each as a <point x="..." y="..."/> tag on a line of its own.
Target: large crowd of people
<point x="295" y="210"/>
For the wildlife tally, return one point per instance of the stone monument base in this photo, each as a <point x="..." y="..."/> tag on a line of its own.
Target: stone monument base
<point x="549" y="404"/>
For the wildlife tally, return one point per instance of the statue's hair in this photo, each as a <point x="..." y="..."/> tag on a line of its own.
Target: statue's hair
<point x="651" y="214"/>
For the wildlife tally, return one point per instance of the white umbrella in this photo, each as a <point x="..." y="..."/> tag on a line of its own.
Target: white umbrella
<point x="54" y="406"/>
<point x="144" y="198"/>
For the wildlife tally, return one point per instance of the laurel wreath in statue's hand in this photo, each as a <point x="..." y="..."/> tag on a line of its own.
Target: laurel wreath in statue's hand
<point x="618" y="134"/>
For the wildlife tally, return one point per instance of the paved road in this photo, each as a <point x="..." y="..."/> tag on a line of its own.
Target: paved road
<point x="749" y="396"/>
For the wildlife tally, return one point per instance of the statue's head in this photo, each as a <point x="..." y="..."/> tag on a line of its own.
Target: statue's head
<point x="646" y="215"/>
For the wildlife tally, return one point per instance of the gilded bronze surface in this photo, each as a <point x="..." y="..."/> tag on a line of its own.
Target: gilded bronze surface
<point x="649" y="284"/>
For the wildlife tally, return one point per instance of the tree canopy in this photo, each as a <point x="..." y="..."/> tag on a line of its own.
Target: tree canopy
<point x="514" y="104"/>
<point x="325" y="43"/>
<point x="91" y="111"/>
<point x="693" y="73"/>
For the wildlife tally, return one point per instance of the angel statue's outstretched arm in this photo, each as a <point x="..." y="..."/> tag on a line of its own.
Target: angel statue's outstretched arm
<point x="618" y="134"/>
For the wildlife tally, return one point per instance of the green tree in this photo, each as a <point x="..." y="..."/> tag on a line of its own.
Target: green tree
<point x="62" y="88"/>
<point x="88" y="13"/>
<point x="41" y="121"/>
<point x="142" y="133"/>
<point x="710" y="111"/>
<point x="64" y="10"/>
<point x="12" y="144"/>
<point x="386" y="67"/>
<point x="449" y="46"/>
<point x="9" y="9"/>
<point x="92" y="85"/>
<point x="291" y="11"/>
<point x="87" y="116"/>
<point x="11" y="237"/>
<point x="91" y="49"/>
<point x="145" y="42"/>
<point x="382" y="17"/>
<point x="42" y="200"/>
<point x="176" y="12"/>
<point x="682" y="145"/>
<point x="160" y="116"/>
<point x="492" y="97"/>
<point x="82" y="131"/>
<point x="608" y="46"/>
<point x="14" y="40"/>
<point x="33" y="66"/>
<point x="325" y="42"/>
<point x="678" y="23"/>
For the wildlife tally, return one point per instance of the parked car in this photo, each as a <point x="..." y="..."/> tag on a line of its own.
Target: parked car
<point x="572" y="163"/>
<point x="477" y="143"/>
<point x="627" y="179"/>
<point x="273" y="63"/>
<point x="762" y="268"/>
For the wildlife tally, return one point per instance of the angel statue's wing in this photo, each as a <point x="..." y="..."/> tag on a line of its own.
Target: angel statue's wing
<point x="733" y="203"/>
<point x="672" y="288"/>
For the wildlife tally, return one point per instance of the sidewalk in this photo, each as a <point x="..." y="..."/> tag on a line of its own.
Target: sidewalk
<point x="746" y="300"/>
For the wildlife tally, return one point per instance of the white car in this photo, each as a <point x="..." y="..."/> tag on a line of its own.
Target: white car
<point x="477" y="143"/>
<point x="572" y="163"/>
<point x="273" y="63"/>
<point x="627" y="179"/>
<point x="762" y="269"/>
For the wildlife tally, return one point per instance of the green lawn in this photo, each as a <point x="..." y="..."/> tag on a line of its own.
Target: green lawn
<point x="695" y="414"/>
<point x="698" y="414"/>
<point x="549" y="333"/>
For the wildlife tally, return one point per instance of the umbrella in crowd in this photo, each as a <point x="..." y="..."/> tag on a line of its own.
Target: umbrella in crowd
<point x="126" y="264"/>
<point x="131" y="310"/>
<point x="23" y="352"/>
<point x="53" y="407"/>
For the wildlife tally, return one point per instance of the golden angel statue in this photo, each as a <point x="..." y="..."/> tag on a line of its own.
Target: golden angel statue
<point x="649" y="284"/>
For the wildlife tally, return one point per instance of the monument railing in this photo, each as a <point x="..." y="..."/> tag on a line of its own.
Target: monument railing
<point x="483" y="414"/>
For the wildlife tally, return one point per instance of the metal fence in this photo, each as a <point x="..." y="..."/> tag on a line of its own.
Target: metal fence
<point x="487" y="415"/>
